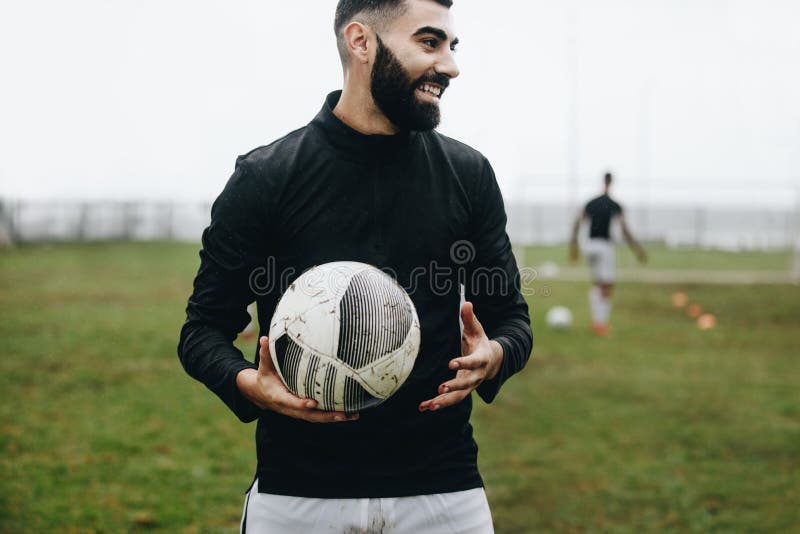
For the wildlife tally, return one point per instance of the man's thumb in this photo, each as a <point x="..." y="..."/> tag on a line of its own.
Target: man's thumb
<point x="471" y="324"/>
<point x="264" y="357"/>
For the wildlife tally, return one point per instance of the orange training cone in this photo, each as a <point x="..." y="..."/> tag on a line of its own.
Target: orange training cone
<point x="679" y="299"/>
<point x="694" y="311"/>
<point x="707" y="321"/>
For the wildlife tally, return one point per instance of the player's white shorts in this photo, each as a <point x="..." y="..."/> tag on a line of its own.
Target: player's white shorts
<point x="443" y="513"/>
<point x="602" y="258"/>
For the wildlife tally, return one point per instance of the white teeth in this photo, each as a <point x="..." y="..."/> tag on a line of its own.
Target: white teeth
<point x="430" y="89"/>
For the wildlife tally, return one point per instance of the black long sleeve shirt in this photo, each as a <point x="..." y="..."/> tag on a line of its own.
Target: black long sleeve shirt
<point x="421" y="206"/>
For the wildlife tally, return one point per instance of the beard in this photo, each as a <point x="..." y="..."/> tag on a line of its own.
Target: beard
<point x="394" y="93"/>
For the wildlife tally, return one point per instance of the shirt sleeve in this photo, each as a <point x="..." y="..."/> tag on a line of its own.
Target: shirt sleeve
<point x="233" y="247"/>
<point x="493" y="284"/>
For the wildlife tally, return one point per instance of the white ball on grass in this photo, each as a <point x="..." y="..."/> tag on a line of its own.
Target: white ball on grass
<point x="559" y="318"/>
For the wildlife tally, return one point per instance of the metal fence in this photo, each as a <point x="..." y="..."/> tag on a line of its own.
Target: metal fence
<point x="529" y="223"/>
<point x="700" y="227"/>
<point x="26" y="222"/>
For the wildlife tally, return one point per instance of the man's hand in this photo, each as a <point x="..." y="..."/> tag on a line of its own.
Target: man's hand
<point x="265" y="389"/>
<point x="641" y="255"/>
<point x="480" y="361"/>
<point x="573" y="251"/>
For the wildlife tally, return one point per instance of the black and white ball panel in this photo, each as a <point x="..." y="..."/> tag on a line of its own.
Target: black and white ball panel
<point x="309" y="375"/>
<point x="375" y="319"/>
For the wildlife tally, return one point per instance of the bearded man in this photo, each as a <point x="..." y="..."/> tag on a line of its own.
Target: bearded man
<point x="368" y="180"/>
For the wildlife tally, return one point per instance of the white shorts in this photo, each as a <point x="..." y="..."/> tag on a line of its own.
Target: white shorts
<point x="443" y="513"/>
<point x="602" y="258"/>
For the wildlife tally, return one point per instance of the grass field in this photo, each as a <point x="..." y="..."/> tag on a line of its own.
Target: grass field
<point x="659" y="428"/>
<point x="662" y="258"/>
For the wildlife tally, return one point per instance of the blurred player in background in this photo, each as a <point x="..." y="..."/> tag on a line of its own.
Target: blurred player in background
<point x="600" y="254"/>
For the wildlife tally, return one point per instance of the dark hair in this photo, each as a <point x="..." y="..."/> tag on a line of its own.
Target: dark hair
<point x="608" y="178"/>
<point x="376" y="13"/>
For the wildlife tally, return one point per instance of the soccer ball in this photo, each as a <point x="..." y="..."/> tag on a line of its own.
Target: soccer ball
<point x="549" y="270"/>
<point x="559" y="318"/>
<point x="345" y="334"/>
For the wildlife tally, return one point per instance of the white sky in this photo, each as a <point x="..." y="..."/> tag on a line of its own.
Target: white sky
<point x="690" y="101"/>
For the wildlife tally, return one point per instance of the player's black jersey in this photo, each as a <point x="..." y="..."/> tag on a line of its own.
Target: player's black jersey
<point x="419" y="205"/>
<point x="600" y="212"/>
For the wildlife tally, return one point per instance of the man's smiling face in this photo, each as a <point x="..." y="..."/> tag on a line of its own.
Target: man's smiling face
<point x="414" y="65"/>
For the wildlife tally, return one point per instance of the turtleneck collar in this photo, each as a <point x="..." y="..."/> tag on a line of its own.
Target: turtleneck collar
<point x="362" y="146"/>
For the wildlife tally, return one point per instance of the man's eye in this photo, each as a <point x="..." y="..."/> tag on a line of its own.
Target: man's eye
<point x="431" y="42"/>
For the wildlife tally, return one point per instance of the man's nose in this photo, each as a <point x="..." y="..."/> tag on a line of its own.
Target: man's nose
<point x="448" y="65"/>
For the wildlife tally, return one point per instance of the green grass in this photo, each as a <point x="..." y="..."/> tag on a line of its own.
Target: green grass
<point x="660" y="257"/>
<point x="660" y="428"/>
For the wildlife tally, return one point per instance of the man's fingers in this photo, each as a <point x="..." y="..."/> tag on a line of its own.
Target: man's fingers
<point x="317" y="416"/>
<point x="289" y="404"/>
<point x="279" y="399"/>
<point x="466" y="381"/>
<point x="275" y="390"/>
<point x="265" y="364"/>
<point x="300" y="408"/>
<point x="288" y="400"/>
<point x="468" y="362"/>
<point x="472" y="327"/>
<point x="264" y="357"/>
<point x="443" y="401"/>
<point x="263" y="349"/>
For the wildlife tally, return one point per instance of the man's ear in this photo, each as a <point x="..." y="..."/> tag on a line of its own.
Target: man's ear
<point x="356" y="39"/>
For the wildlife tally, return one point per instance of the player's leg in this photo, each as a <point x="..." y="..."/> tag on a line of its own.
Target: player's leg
<point x="609" y="275"/>
<point x="603" y="274"/>
<point x="465" y="512"/>
<point x="596" y="306"/>
<point x="600" y="302"/>
<point x="606" y="289"/>
<point x="592" y="253"/>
